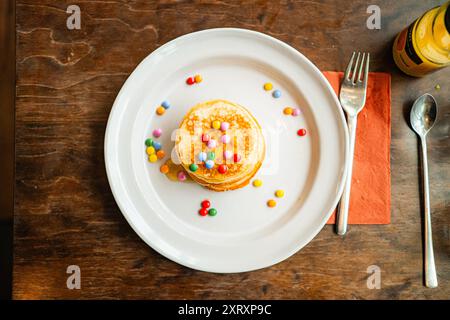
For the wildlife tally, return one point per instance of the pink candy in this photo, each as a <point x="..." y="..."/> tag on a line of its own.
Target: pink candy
<point x="212" y="144"/>
<point x="225" y="139"/>
<point x="181" y="176"/>
<point x="296" y="112"/>
<point x="224" y="126"/>
<point x="157" y="133"/>
<point x="227" y="154"/>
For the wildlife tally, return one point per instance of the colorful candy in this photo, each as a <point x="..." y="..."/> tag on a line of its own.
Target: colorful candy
<point x="212" y="144"/>
<point x="190" y="81"/>
<point x="301" y="132"/>
<point x="202" y="156"/>
<point x="181" y="176"/>
<point x="160" y="111"/>
<point x="164" y="168"/>
<point x="271" y="203"/>
<point x="279" y="193"/>
<point x="223" y="168"/>
<point x="205" y="137"/>
<point x="215" y="124"/>
<point x="236" y="157"/>
<point x="227" y="154"/>
<point x="150" y="150"/>
<point x="295" y="112"/>
<point x="276" y="94"/>
<point x="157" y="133"/>
<point x="206" y="204"/>
<point x="224" y="126"/>
<point x="204" y="209"/>
<point x="157" y="145"/>
<point x="149" y="142"/>
<point x="193" y="167"/>
<point x="193" y="80"/>
<point x="268" y="86"/>
<point x="288" y="111"/>
<point x="152" y="158"/>
<point x="225" y="138"/>
<point x="198" y="78"/>
<point x="160" y="154"/>
<point x="209" y="164"/>
<point x="165" y="104"/>
<point x="211" y="155"/>
<point x="257" y="183"/>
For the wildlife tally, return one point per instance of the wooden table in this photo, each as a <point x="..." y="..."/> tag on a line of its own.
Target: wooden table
<point x="66" y="215"/>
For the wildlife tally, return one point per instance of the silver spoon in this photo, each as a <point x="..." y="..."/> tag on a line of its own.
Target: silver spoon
<point x="422" y="117"/>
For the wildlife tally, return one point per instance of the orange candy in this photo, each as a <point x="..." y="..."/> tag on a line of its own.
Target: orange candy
<point x="198" y="78"/>
<point x="288" y="111"/>
<point x="160" y="154"/>
<point x="160" y="111"/>
<point x="164" y="168"/>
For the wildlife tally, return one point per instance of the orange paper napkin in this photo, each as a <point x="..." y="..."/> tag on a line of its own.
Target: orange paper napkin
<point x="370" y="197"/>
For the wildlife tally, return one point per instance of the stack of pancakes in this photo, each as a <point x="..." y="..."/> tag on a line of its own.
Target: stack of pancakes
<point x="246" y="145"/>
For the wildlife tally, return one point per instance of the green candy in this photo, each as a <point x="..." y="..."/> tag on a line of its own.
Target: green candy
<point x="193" y="167"/>
<point x="149" y="142"/>
<point x="211" y="155"/>
<point x="212" y="212"/>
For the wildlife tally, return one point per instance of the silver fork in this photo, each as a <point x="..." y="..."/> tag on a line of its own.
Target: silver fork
<point x="353" y="99"/>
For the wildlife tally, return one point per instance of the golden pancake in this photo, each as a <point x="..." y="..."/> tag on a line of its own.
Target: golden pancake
<point x="237" y="153"/>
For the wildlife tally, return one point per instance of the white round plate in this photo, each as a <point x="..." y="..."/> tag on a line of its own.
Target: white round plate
<point x="245" y="234"/>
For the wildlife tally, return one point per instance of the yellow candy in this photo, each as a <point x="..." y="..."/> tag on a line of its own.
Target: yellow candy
<point x="152" y="158"/>
<point x="288" y="111"/>
<point x="164" y="168"/>
<point x="257" y="183"/>
<point x="150" y="150"/>
<point x="271" y="203"/>
<point x="160" y="154"/>
<point x="160" y="110"/>
<point x="279" y="193"/>
<point x="198" y="78"/>
<point x="268" y="86"/>
<point x="216" y="124"/>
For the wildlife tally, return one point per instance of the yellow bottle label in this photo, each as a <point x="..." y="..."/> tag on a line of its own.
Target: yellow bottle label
<point x="418" y="49"/>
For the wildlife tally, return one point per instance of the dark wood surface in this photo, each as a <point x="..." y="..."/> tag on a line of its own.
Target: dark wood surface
<point x="65" y="213"/>
<point x="7" y="86"/>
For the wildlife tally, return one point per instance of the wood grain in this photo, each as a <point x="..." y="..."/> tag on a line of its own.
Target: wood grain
<point x="7" y="95"/>
<point x="65" y="213"/>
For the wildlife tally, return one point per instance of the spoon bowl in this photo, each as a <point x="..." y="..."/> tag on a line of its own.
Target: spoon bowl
<point x="423" y="114"/>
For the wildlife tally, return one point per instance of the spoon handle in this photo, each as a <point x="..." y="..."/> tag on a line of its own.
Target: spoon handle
<point x="430" y="268"/>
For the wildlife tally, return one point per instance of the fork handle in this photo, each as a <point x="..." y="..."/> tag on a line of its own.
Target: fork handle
<point x="342" y="214"/>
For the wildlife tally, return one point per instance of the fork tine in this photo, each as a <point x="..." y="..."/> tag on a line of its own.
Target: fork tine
<point x="358" y="79"/>
<point x="366" y="71"/>
<point x="349" y="67"/>
<point x="356" y="67"/>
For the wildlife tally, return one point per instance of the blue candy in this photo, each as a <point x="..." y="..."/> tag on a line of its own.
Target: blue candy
<point x="276" y="94"/>
<point x="157" y="145"/>
<point x="202" y="156"/>
<point x="209" y="164"/>
<point x="165" y="104"/>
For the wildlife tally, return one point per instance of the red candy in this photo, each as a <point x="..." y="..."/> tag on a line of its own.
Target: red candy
<point x="223" y="168"/>
<point x="190" y="81"/>
<point x="203" y="212"/>
<point x="236" y="157"/>
<point x="301" y="132"/>
<point x="205" y="137"/>
<point x="206" y="204"/>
